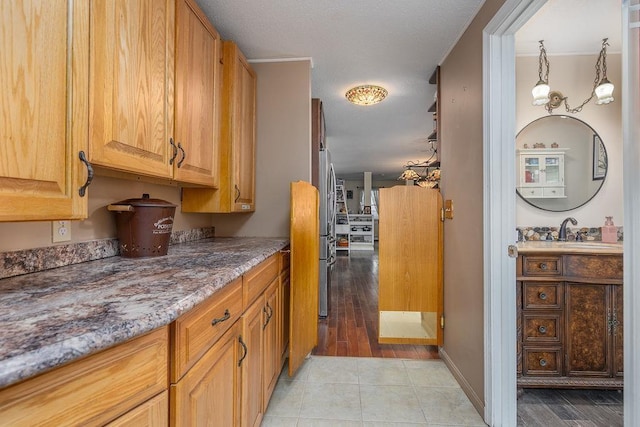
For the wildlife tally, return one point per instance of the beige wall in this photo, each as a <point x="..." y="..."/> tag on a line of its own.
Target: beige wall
<point x="573" y="76"/>
<point x="462" y="177"/>
<point x="283" y="149"/>
<point x="100" y="223"/>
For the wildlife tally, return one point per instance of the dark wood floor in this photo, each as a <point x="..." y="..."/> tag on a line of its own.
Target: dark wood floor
<point x="351" y="329"/>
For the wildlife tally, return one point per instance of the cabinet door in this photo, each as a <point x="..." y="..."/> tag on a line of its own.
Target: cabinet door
<point x="587" y="337"/>
<point x="243" y="135"/>
<point x="43" y="109"/>
<point x="198" y="71"/>
<point x="209" y="394"/>
<point x="271" y="350"/>
<point x="617" y="330"/>
<point x="252" y="323"/>
<point x="131" y="85"/>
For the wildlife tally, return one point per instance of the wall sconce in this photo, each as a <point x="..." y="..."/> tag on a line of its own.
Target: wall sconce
<point x="543" y="95"/>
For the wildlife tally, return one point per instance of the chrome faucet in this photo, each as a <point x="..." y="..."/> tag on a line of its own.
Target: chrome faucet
<point x="562" y="234"/>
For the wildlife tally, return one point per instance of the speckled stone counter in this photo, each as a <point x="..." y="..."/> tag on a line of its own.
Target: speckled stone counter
<point x="55" y="316"/>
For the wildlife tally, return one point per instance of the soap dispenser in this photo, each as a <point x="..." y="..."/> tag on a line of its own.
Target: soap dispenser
<point x="609" y="231"/>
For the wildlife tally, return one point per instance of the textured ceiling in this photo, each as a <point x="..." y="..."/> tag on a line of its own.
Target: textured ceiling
<point x="393" y="44"/>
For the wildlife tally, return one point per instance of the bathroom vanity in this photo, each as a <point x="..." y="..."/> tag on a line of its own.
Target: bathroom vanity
<point x="569" y="315"/>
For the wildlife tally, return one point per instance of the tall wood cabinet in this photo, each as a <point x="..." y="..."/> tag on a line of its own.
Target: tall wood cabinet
<point x="236" y="192"/>
<point x="43" y="105"/>
<point x="570" y="326"/>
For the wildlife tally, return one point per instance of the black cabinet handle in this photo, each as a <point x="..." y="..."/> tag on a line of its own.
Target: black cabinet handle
<point x="226" y="316"/>
<point x="184" y="154"/>
<point x="237" y="193"/>
<point x="175" y="151"/>
<point x="244" y="346"/>
<point x="82" y="190"/>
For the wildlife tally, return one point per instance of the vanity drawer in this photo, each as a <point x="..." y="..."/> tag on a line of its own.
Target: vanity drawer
<point x="196" y="331"/>
<point x="594" y="266"/>
<point x="541" y="265"/>
<point x="551" y="192"/>
<point x="542" y="328"/>
<point x="542" y="361"/>
<point x="531" y="192"/>
<point x="543" y="295"/>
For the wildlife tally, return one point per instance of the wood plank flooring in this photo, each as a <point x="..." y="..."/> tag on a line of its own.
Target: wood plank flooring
<point x="351" y="328"/>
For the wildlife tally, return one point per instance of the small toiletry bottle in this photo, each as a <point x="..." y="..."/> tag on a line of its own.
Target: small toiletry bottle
<point x="609" y="231"/>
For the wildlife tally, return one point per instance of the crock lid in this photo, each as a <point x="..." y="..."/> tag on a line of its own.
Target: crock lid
<point x="146" y="201"/>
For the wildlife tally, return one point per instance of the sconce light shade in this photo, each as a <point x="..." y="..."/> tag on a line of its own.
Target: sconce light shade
<point x="366" y="94"/>
<point x="540" y="93"/>
<point x="604" y="92"/>
<point x="409" y="175"/>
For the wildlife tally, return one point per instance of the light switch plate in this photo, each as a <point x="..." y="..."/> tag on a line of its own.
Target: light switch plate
<point x="60" y="231"/>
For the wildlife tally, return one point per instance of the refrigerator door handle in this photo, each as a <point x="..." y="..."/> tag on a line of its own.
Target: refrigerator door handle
<point x="332" y="260"/>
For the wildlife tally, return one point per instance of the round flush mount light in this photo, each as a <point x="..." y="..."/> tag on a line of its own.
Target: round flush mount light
<point x="366" y="94"/>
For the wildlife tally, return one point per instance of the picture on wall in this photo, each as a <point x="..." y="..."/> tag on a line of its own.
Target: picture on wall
<point x="599" y="159"/>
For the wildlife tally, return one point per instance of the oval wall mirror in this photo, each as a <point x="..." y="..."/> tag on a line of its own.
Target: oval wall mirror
<point x="561" y="163"/>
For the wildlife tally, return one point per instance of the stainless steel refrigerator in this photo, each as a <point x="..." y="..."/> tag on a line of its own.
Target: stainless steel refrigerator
<point x="327" y="190"/>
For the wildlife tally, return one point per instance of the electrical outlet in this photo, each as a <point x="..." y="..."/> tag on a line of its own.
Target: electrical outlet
<point x="60" y="231"/>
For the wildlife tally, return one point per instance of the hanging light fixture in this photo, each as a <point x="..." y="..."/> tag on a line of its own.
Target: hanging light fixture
<point x="602" y="87"/>
<point x="366" y="94"/>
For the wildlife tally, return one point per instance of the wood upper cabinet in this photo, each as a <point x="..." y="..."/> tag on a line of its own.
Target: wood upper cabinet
<point x="131" y="85"/>
<point x="236" y="148"/>
<point x="198" y="94"/>
<point x="43" y="109"/>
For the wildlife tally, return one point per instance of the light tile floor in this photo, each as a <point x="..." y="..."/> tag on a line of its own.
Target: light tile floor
<point x="370" y="392"/>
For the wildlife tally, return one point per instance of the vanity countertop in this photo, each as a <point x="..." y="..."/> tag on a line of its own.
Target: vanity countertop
<point x="55" y="316"/>
<point x="590" y="247"/>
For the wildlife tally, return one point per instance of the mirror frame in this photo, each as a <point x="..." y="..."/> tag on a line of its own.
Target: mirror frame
<point x="602" y="180"/>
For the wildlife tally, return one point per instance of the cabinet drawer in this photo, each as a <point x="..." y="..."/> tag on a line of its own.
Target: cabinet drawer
<point x="594" y="266"/>
<point x="542" y="328"/>
<point x="530" y="192"/>
<point x="551" y="192"/>
<point x="543" y="295"/>
<point x="196" y="331"/>
<point x="94" y="390"/>
<point x="541" y="265"/>
<point x="258" y="278"/>
<point x="542" y="361"/>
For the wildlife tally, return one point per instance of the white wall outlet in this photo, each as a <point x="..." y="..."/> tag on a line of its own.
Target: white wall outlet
<point x="60" y="231"/>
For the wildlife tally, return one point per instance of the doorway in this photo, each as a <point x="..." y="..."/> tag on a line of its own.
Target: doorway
<point x="499" y="199"/>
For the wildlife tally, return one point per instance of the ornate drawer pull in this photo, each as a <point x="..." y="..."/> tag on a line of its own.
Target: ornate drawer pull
<point x="226" y="316"/>
<point x="244" y="353"/>
<point x="543" y="362"/>
<point x="543" y="266"/>
<point x="542" y="296"/>
<point x="542" y="329"/>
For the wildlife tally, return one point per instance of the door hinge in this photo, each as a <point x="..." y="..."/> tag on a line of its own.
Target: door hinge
<point x="442" y="214"/>
<point x="442" y="321"/>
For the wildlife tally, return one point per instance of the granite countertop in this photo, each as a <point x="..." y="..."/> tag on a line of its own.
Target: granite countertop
<point x="55" y="316"/>
<point x="594" y="247"/>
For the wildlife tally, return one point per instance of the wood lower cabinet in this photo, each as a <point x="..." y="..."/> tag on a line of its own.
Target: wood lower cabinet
<point x="43" y="105"/>
<point x="152" y="413"/>
<point x="270" y="339"/>
<point x="209" y="394"/>
<point x="283" y="309"/>
<point x="95" y="390"/>
<point x="570" y="325"/>
<point x="236" y="148"/>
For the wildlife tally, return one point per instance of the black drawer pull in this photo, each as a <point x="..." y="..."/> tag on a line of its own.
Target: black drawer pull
<point x="542" y="329"/>
<point x="543" y="362"/>
<point x="226" y="316"/>
<point x="543" y="266"/>
<point x="542" y="296"/>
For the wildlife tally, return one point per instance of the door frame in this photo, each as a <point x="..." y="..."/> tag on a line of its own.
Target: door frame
<point x="499" y="211"/>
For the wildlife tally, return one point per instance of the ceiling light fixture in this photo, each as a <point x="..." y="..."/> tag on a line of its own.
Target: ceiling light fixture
<point x="366" y="94"/>
<point x="602" y="87"/>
